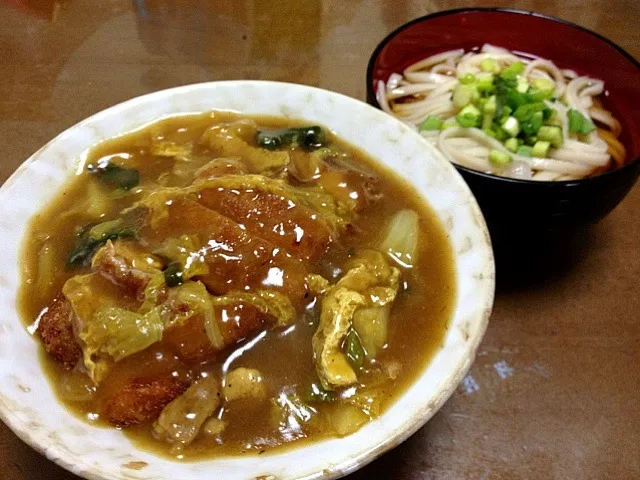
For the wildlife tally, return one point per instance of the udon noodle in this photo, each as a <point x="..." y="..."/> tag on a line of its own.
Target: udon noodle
<point x="424" y="96"/>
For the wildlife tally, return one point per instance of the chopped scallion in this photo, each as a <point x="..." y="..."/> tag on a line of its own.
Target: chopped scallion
<point x="524" y="151"/>
<point x="430" y="123"/>
<point x="489" y="65"/>
<point x="578" y="123"/>
<point x="541" y="149"/>
<point x="551" y="134"/>
<point x="499" y="159"/>
<point x="467" y="78"/>
<point x="511" y="126"/>
<point x="511" y="144"/>
<point x="469" y="117"/>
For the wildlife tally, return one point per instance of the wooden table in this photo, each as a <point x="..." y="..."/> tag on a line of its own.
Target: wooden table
<point x="554" y="392"/>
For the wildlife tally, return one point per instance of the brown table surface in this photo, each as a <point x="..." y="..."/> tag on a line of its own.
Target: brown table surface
<point x="554" y="392"/>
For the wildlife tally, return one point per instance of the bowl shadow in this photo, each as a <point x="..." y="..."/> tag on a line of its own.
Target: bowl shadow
<point x="525" y="263"/>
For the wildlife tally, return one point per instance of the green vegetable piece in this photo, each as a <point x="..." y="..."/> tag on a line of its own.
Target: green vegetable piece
<point x="487" y="120"/>
<point x="270" y="142"/>
<point x="554" y="119"/>
<point x="485" y="84"/>
<point x="512" y="70"/>
<point x="500" y="133"/>
<point x="524" y="151"/>
<point x="516" y="99"/>
<point x="499" y="159"/>
<point x="542" y="84"/>
<point x="489" y="111"/>
<point x="511" y="144"/>
<point x="468" y="79"/>
<point x="319" y="394"/>
<point x="524" y="112"/>
<point x="522" y="86"/>
<point x="489" y="132"/>
<point x="534" y="95"/>
<point x="430" y="123"/>
<point x="511" y="126"/>
<point x="489" y="65"/>
<point x="578" y="123"/>
<point x="463" y="95"/>
<point x="310" y="138"/>
<point x="114" y="175"/>
<point x="173" y="274"/>
<point x="446" y="125"/>
<point x="551" y="134"/>
<point x="92" y="237"/>
<point x="353" y="349"/>
<point x="531" y="125"/>
<point x="491" y="105"/>
<point x="541" y="149"/>
<point x="469" y="117"/>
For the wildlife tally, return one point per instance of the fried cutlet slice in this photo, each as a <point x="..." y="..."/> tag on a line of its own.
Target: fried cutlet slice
<point x="56" y="330"/>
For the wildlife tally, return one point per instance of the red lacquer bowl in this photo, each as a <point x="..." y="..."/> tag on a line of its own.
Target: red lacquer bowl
<point x="524" y="208"/>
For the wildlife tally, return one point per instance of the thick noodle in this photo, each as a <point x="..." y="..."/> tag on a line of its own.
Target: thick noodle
<point x="425" y="89"/>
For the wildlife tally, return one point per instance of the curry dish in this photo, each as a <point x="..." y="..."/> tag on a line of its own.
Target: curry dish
<point x="220" y="285"/>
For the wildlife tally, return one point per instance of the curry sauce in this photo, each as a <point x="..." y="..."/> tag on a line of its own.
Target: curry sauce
<point x="225" y="253"/>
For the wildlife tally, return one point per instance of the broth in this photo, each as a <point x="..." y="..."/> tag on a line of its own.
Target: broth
<point x="289" y="411"/>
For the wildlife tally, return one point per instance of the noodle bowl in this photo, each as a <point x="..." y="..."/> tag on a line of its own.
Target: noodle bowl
<point x="499" y="112"/>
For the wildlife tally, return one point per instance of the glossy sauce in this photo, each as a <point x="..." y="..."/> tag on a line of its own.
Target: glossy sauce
<point x="284" y="357"/>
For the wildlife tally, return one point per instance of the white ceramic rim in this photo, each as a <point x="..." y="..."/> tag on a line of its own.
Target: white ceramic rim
<point x="453" y="203"/>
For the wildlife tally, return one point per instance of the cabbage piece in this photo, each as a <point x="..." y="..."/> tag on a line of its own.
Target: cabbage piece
<point x="198" y="299"/>
<point x="370" y="282"/>
<point x="220" y="167"/>
<point x="232" y="139"/>
<point x="401" y="239"/>
<point x="270" y="303"/>
<point x="121" y="333"/>
<point x="127" y="264"/>
<point x="92" y="237"/>
<point x="46" y="266"/>
<point x="97" y="202"/>
<point x="75" y="386"/>
<point x="152" y="292"/>
<point x="156" y="202"/>
<point x="85" y="299"/>
<point x="107" y="333"/>
<point x="195" y="296"/>
<point x="187" y="250"/>
<point x="347" y="418"/>
<point x="181" y="420"/>
<point x="371" y="325"/>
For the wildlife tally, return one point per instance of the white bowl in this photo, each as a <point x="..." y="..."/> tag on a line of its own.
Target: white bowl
<point x="27" y="403"/>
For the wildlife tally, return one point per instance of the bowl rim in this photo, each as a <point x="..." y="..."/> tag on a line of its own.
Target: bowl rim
<point x="371" y="97"/>
<point x="347" y="464"/>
